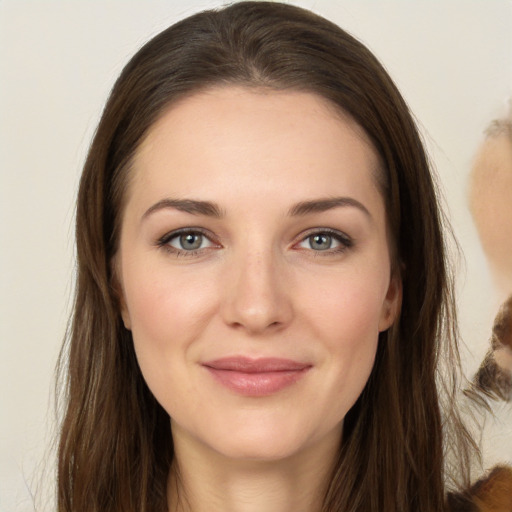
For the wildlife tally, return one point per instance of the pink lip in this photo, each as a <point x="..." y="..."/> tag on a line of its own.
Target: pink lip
<point x="256" y="377"/>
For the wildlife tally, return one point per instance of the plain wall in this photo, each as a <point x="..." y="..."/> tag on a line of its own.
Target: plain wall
<point x="58" y="60"/>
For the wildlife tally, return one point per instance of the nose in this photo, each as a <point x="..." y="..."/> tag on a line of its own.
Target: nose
<point x="257" y="293"/>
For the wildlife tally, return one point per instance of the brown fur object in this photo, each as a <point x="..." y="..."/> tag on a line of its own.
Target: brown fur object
<point x="490" y="494"/>
<point x="494" y="377"/>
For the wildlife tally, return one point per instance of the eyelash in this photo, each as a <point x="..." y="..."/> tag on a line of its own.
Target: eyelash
<point x="164" y="241"/>
<point x="344" y="240"/>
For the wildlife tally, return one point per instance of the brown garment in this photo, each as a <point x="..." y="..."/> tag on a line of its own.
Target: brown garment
<point x="490" y="494"/>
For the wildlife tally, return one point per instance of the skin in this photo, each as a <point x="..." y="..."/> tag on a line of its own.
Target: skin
<point x="256" y="287"/>
<point x="490" y="193"/>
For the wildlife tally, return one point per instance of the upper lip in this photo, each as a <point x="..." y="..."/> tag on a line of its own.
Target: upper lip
<point x="256" y="365"/>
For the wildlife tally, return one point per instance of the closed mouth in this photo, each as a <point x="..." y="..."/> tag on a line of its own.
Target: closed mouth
<point x="256" y="377"/>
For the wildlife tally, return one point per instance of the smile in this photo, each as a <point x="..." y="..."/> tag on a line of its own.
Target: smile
<point x="256" y="377"/>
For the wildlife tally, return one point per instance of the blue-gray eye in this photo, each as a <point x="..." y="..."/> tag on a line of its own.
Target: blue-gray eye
<point x="190" y="241"/>
<point x="326" y="241"/>
<point x="320" y="242"/>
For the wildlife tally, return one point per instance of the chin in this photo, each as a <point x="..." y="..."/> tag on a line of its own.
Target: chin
<point x="262" y="448"/>
<point x="267" y="439"/>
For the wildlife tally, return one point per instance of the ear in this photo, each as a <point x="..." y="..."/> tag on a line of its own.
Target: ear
<point x="119" y="293"/>
<point x="392" y="303"/>
<point x="125" y="315"/>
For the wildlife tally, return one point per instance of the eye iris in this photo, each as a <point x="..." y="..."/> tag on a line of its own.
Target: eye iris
<point x="191" y="241"/>
<point x="320" y="242"/>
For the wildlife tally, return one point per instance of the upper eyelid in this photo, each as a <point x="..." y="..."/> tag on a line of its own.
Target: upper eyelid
<point x="329" y="231"/>
<point x="180" y="231"/>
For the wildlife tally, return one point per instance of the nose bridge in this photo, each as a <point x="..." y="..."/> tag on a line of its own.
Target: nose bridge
<point x="257" y="297"/>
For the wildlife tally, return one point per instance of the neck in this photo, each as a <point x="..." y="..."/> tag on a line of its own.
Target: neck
<point x="203" y="480"/>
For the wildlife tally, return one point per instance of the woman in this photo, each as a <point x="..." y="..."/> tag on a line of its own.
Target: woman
<point x="263" y="297"/>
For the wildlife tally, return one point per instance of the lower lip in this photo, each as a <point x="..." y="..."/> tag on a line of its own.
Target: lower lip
<point x="257" y="384"/>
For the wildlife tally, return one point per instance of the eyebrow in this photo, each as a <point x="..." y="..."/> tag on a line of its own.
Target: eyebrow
<point x="323" y="205"/>
<point x="209" y="209"/>
<point x="186" y="205"/>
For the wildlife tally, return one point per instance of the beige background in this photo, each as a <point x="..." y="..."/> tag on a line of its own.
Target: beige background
<point x="58" y="59"/>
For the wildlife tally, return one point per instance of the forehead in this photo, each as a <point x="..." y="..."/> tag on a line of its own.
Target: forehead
<point x="235" y="137"/>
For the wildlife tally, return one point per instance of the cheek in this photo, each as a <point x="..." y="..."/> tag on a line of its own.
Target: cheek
<point x="352" y="334"/>
<point x="347" y="308"/>
<point x="344" y="314"/>
<point x="167" y="312"/>
<point x="160" y="302"/>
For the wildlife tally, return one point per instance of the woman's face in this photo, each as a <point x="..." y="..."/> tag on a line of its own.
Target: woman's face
<point x="254" y="267"/>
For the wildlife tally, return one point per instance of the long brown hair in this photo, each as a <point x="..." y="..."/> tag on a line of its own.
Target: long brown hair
<point x="116" y="446"/>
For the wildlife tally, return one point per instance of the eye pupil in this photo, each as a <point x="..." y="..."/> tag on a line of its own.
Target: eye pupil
<point x="320" y="242"/>
<point x="191" y="241"/>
